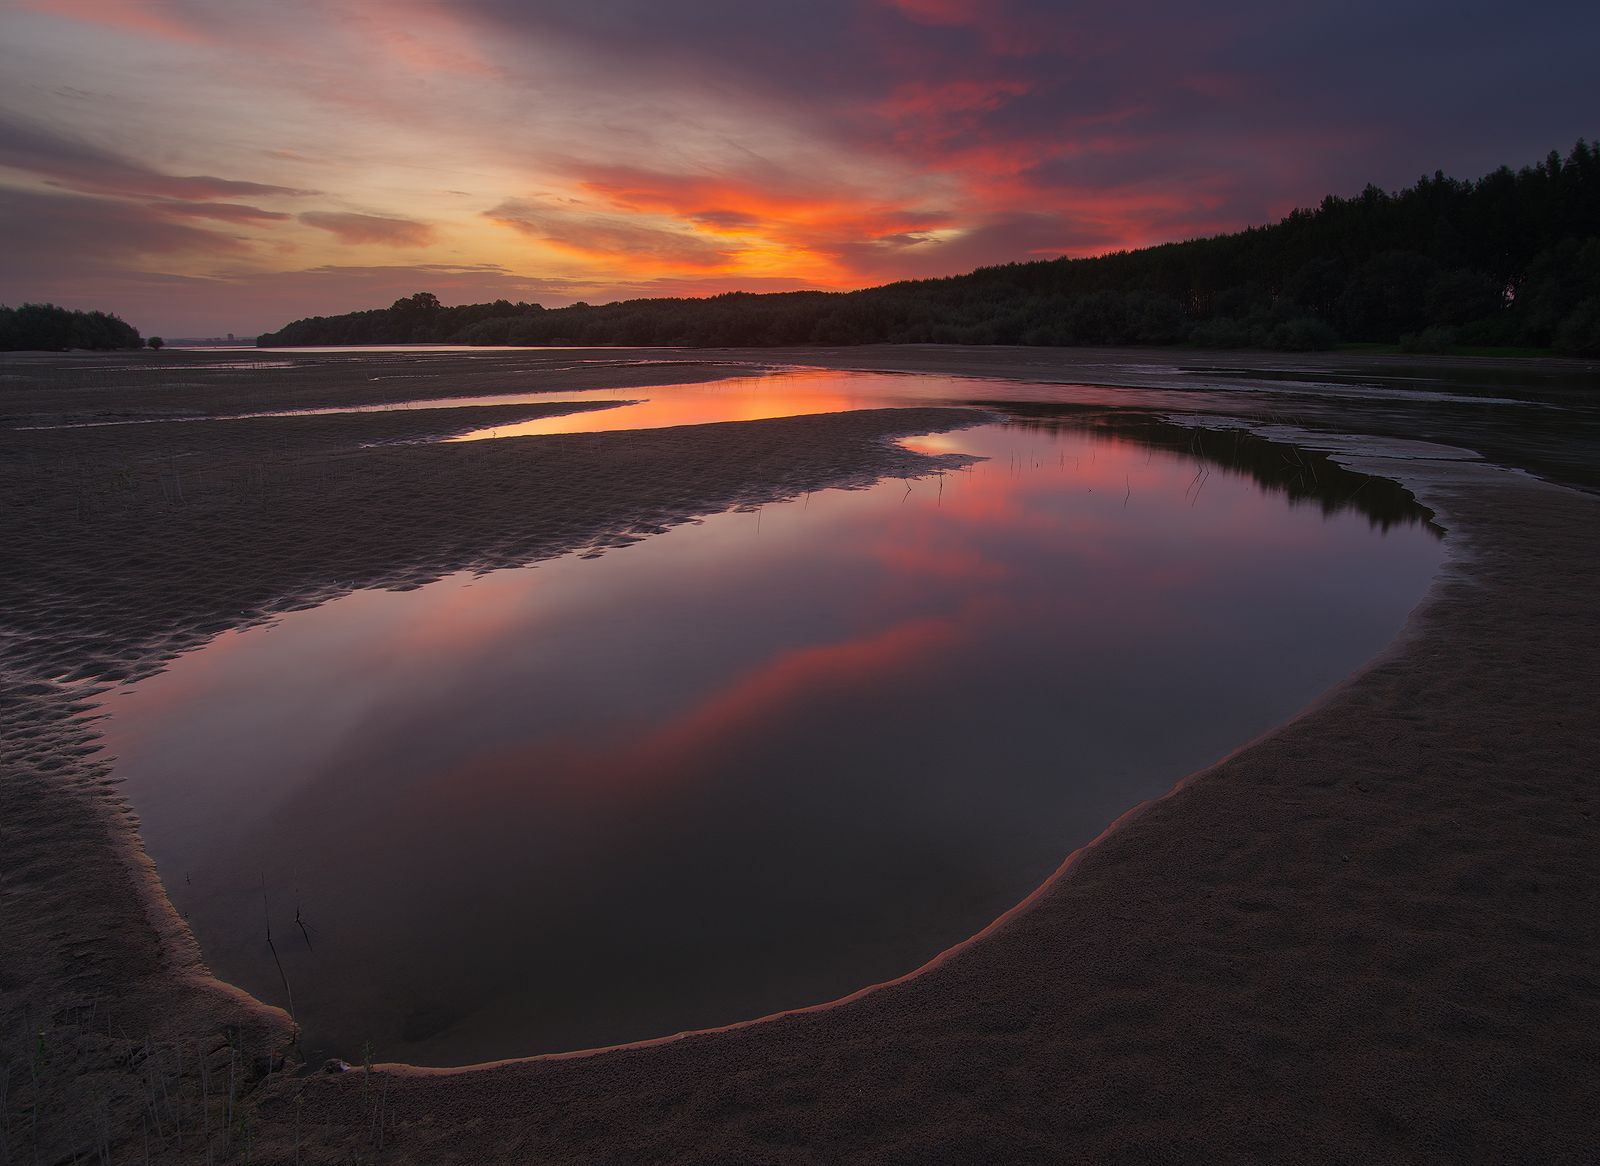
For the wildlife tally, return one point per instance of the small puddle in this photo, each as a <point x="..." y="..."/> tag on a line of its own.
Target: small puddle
<point x="749" y="764"/>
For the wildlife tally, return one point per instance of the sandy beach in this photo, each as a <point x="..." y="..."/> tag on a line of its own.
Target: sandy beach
<point x="1366" y="936"/>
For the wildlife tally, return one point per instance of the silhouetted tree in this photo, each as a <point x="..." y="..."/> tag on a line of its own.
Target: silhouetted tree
<point x="45" y="327"/>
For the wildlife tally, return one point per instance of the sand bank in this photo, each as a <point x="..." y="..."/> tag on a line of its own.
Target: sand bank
<point x="1368" y="935"/>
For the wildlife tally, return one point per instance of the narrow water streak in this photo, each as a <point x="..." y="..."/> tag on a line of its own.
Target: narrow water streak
<point x="745" y="765"/>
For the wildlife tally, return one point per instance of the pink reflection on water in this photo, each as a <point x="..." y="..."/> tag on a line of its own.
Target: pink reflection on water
<point x="583" y="776"/>
<point x="743" y="765"/>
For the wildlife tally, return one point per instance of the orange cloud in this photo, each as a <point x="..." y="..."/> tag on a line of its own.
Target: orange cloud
<point x="1004" y="208"/>
<point x="633" y="245"/>
<point x="730" y="200"/>
<point x="804" y="231"/>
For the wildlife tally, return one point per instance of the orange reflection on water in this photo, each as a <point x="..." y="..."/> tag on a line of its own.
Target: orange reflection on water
<point x="796" y="394"/>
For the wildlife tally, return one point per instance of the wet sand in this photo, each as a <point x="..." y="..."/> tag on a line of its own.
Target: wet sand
<point x="1369" y="935"/>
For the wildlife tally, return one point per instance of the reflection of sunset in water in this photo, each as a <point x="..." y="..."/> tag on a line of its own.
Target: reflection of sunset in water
<point x="770" y="757"/>
<point x="793" y="394"/>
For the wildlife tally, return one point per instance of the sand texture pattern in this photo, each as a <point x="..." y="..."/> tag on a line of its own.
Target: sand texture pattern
<point x="127" y="543"/>
<point x="1368" y="936"/>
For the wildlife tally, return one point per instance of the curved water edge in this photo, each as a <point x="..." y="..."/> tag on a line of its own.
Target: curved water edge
<point x="1361" y="463"/>
<point x="1015" y="479"/>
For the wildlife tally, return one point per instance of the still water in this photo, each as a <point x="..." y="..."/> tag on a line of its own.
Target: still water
<point x="792" y="394"/>
<point x="749" y="764"/>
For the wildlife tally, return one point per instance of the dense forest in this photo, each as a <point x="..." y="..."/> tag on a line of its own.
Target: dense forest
<point x="1511" y="260"/>
<point x="45" y="327"/>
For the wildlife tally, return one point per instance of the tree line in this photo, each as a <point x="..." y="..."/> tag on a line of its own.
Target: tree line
<point x="47" y="328"/>
<point x="1511" y="260"/>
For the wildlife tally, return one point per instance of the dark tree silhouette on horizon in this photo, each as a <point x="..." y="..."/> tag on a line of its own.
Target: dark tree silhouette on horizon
<point x="47" y="328"/>
<point x="1511" y="260"/>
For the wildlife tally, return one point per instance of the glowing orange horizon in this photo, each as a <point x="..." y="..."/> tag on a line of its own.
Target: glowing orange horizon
<point x="207" y="167"/>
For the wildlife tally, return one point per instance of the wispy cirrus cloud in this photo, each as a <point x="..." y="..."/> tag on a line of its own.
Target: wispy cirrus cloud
<point x="632" y="243"/>
<point x="227" y="212"/>
<point x="64" y="161"/>
<point x="357" y="228"/>
<point x="64" y="233"/>
<point x="169" y="19"/>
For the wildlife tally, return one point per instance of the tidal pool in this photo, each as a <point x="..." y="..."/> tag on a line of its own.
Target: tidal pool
<point x="748" y="764"/>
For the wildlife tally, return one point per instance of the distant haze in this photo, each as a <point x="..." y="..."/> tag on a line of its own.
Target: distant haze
<point x="210" y="167"/>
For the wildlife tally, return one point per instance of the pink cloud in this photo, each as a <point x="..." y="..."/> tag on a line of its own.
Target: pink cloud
<point x="76" y="165"/>
<point x="939" y="12"/>
<point x="227" y="212"/>
<point x="421" y="35"/>
<point x="353" y="228"/>
<point x="146" y="17"/>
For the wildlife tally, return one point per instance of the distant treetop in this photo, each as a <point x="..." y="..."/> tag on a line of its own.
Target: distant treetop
<point x="45" y="327"/>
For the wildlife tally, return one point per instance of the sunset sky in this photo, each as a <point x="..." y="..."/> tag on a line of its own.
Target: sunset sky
<point x="201" y="166"/>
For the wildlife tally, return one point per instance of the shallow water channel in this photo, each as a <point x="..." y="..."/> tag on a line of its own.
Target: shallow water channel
<point x="745" y="765"/>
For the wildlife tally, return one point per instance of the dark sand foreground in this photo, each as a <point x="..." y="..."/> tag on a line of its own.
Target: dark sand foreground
<point x="1370" y="935"/>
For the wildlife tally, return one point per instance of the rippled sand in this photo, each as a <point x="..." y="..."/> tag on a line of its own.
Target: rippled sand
<point x="1369" y="935"/>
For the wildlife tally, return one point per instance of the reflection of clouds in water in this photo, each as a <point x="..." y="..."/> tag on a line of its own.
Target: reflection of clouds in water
<point x="769" y="761"/>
